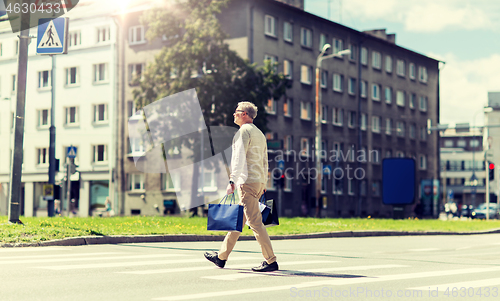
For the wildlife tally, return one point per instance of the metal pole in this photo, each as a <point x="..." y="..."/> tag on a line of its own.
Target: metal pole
<point x="17" y="155"/>
<point x="318" y="137"/>
<point x="487" y="171"/>
<point x="52" y="148"/>
<point x="360" y="133"/>
<point x="69" y="167"/>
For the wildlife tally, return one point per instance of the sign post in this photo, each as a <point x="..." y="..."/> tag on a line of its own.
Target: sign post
<point x="70" y="168"/>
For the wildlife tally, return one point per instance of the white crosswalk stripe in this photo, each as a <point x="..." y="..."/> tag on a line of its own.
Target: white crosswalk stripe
<point x="57" y="255"/>
<point x="86" y="258"/>
<point x="458" y="285"/>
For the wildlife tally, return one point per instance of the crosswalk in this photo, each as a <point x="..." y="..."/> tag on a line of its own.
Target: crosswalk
<point x="324" y="269"/>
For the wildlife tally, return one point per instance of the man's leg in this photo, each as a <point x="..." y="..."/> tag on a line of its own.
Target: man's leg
<point x="229" y="242"/>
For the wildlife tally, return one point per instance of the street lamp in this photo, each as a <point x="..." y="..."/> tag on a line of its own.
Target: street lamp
<point x="317" y="144"/>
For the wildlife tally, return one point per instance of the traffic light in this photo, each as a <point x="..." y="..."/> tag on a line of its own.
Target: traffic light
<point x="277" y="174"/>
<point x="491" y="167"/>
<point x="281" y="181"/>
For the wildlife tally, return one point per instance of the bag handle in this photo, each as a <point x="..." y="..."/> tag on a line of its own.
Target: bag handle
<point x="225" y="198"/>
<point x="263" y="198"/>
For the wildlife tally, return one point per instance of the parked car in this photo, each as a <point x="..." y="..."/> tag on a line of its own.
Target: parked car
<point x="480" y="211"/>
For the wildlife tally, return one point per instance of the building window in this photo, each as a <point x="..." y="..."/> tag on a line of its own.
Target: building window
<point x="43" y="156"/>
<point x="376" y="60"/>
<point x="100" y="73"/>
<point x="270" y="183"/>
<point x="136" y="147"/>
<point x="362" y="188"/>
<point x="272" y="58"/>
<point x="72" y="76"/>
<point x="376" y="124"/>
<point x="43" y="118"/>
<point x="400" y="98"/>
<point x="352" y="55"/>
<point x="388" y="64"/>
<point x="75" y="38"/>
<point x="337" y="186"/>
<point x="270" y="26"/>
<point x="16" y="48"/>
<point x="100" y="113"/>
<point x="135" y="71"/>
<point x="338" y="45"/>
<point x="288" y="107"/>
<point x="288" y="181"/>
<point x="103" y="34"/>
<point x="423" y="134"/>
<point x="423" y="162"/>
<point x="324" y="114"/>
<point x="413" y="131"/>
<point x="304" y="146"/>
<point x="288" y="143"/>
<point x="422" y="74"/>
<point x="305" y="74"/>
<point x="136" y="35"/>
<point x="400" y="128"/>
<point x="71" y="114"/>
<point x="351" y="119"/>
<point x="375" y="92"/>
<point x="322" y="41"/>
<point x="350" y="186"/>
<point x="171" y="182"/>
<point x="14" y="84"/>
<point x="209" y="181"/>
<point x="44" y="80"/>
<point x="305" y="37"/>
<point x="364" y="56"/>
<point x="363" y="89"/>
<point x="1" y="49"/>
<point x="411" y="71"/>
<point x="352" y="86"/>
<point x="388" y="154"/>
<point x="388" y="126"/>
<point x="100" y="153"/>
<point x="288" y="69"/>
<point x="136" y="182"/>
<point x="423" y="104"/>
<point x="413" y="100"/>
<point x="400" y="68"/>
<point x="337" y="82"/>
<point x="375" y="188"/>
<point x="388" y="95"/>
<point x="288" y="31"/>
<point x="338" y="116"/>
<point x="461" y="143"/>
<point x="271" y="106"/>
<point x="324" y="79"/>
<point x="305" y="110"/>
<point x="363" y="121"/>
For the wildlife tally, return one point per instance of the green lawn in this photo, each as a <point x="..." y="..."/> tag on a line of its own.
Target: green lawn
<point x="37" y="229"/>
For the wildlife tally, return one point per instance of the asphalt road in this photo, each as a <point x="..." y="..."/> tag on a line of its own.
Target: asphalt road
<point x="371" y="268"/>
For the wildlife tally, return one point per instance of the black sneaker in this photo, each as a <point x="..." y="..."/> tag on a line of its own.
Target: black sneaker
<point x="266" y="267"/>
<point x="214" y="257"/>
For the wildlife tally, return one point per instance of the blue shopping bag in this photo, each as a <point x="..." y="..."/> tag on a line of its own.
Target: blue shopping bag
<point x="225" y="217"/>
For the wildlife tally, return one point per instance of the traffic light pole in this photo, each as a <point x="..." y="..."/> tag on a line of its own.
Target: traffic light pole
<point x="70" y="163"/>
<point x="52" y="148"/>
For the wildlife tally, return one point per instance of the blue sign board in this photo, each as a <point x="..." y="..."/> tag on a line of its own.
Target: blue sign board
<point x="398" y="181"/>
<point x="281" y="164"/>
<point x="71" y="153"/>
<point x="52" y="36"/>
<point x="327" y="169"/>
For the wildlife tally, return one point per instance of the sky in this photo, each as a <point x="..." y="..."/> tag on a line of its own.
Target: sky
<point x="465" y="34"/>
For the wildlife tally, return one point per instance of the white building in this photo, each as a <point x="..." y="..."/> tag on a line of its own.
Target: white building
<point x="85" y="99"/>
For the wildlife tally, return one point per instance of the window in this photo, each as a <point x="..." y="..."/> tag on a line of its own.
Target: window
<point x="304" y="146"/>
<point x="412" y="131"/>
<point x="43" y="156"/>
<point x="100" y="153"/>
<point x="337" y="186"/>
<point x="44" y="79"/>
<point x="288" y="143"/>
<point x="305" y="74"/>
<point x="75" y="38"/>
<point x="324" y="79"/>
<point x="351" y="119"/>
<point x="71" y="114"/>
<point x="172" y="181"/>
<point x="209" y="181"/>
<point x="324" y="149"/>
<point x="337" y="82"/>
<point x="288" y="181"/>
<point x="376" y="124"/>
<point x="423" y="162"/>
<point x="352" y="86"/>
<point x="288" y="31"/>
<point x="338" y="45"/>
<point x="362" y="188"/>
<point x="135" y="71"/>
<point x="324" y="114"/>
<point x="400" y="68"/>
<point x="388" y="95"/>
<point x="14" y="83"/>
<point x="324" y="182"/>
<point x="100" y="73"/>
<point x="288" y="69"/>
<point x="338" y="116"/>
<point x="322" y="41"/>
<point x="103" y="34"/>
<point x="412" y="71"/>
<point x="388" y="153"/>
<point x="423" y="134"/>
<point x="376" y="60"/>
<point x="136" y="35"/>
<point x="461" y="143"/>
<point x="16" y="47"/>
<point x="400" y="98"/>
<point x="376" y="188"/>
<point x="388" y="64"/>
<point x="350" y="186"/>
<point x="423" y="104"/>
<point x="271" y="106"/>
<point x="1" y="49"/>
<point x="72" y="76"/>
<point x="364" y="56"/>
<point x="422" y="74"/>
<point x="363" y="89"/>
<point x="272" y="58"/>
<point x="270" y="183"/>
<point x="305" y="37"/>
<point x="388" y="126"/>
<point x="270" y="26"/>
<point x="351" y="153"/>
<point x="136" y="147"/>
<point x="136" y="182"/>
<point x="352" y="55"/>
<point x="375" y="92"/>
<point x="100" y="113"/>
<point x="363" y="121"/>
<point x="130" y="108"/>
<point x="288" y="107"/>
<point x="400" y="128"/>
<point x="400" y="154"/>
<point x="305" y="110"/>
<point x="43" y="118"/>
<point x="413" y="100"/>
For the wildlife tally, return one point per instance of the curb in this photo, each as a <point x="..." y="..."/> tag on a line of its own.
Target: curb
<point x="118" y="239"/>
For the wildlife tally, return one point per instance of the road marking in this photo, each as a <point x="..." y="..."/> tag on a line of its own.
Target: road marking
<point x="32" y="249"/>
<point x="58" y="255"/>
<point x="458" y="285"/>
<point x="89" y="258"/>
<point x="463" y="248"/>
<point x="211" y="267"/>
<point x="336" y="282"/>
<point x="423" y="250"/>
<point x="351" y="268"/>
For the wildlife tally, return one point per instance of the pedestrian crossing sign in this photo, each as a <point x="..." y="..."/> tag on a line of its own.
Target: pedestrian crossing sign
<point x="71" y="152"/>
<point x="52" y="36"/>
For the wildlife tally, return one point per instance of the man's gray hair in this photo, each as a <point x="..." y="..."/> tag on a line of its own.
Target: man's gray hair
<point x="249" y="108"/>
